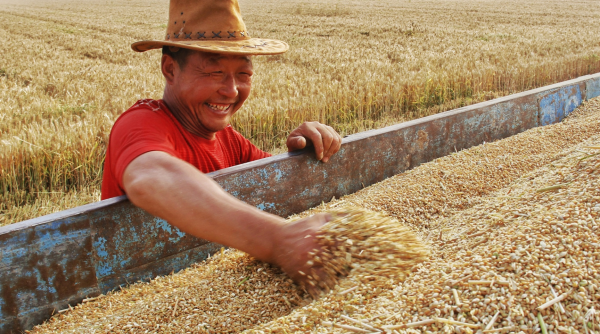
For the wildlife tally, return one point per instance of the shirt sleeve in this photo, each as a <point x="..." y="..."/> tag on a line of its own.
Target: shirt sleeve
<point x="249" y="151"/>
<point x="135" y="133"/>
<point x="255" y="153"/>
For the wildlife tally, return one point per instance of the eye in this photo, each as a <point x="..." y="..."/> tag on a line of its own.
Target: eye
<point x="245" y="75"/>
<point x="216" y="74"/>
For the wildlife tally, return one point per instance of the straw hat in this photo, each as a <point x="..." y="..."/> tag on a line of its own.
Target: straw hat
<point x="211" y="26"/>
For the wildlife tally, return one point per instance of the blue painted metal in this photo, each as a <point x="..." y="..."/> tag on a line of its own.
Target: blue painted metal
<point x="57" y="260"/>
<point x="122" y="252"/>
<point x="372" y="156"/>
<point x="44" y="267"/>
<point x="557" y="104"/>
<point x="592" y="87"/>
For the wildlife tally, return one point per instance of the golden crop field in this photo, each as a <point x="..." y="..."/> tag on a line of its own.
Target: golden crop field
<point x="67" y="72"/>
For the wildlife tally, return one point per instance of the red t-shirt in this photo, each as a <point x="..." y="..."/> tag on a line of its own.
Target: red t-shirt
<point x="149" y="126"/>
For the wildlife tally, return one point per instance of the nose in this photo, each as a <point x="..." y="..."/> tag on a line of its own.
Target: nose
<point x="229" y="87"/>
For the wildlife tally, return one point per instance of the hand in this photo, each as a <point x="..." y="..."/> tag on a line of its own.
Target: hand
<point x="324" y="138"/>
<point x="295" y="240"/>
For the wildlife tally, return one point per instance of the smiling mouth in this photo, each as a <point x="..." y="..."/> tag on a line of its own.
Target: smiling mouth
<point x="219" y="107"/>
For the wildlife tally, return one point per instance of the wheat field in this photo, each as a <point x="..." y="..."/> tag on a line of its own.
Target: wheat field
<point x="67" y="72"/>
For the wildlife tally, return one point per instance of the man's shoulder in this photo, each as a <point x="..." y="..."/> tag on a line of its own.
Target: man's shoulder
<point x="147" y="106"/>
<point x="145" y="111"/>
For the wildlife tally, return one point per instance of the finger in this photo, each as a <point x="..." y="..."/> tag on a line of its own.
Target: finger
<point x="300" y="143"/>
<point x="310" y="225"/>
<point x="318" y="281"/>
<point x="324" y="281"/>
<point x="296" y="143"/>
<point x="338" y="143"/>
<point x="332" y="145"/>
<point x="323" y="218"/>
<point x="315" y="137"/>
<point x="320" y="278"/>
<point x="326" y="138"/>
<point x="335" y="144"/>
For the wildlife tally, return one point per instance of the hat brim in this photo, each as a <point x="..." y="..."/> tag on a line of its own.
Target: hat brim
<point x="251" y="46"/>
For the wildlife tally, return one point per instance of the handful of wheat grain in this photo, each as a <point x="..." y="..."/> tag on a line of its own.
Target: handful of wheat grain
<point x="365" y="244"/>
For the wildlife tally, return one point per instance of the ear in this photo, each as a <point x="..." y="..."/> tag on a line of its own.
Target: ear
<point x="167" y="66"/>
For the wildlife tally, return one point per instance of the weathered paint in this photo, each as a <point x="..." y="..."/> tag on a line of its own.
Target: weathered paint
<point x="379" y="155"/>
<point x="44" y="267"/>
<point x="50" y="262"/>
<point x="163" y="266"/>
<point x="123" y="254"/>
<point x="592" y="88"/>
<point x="556" y="105"/>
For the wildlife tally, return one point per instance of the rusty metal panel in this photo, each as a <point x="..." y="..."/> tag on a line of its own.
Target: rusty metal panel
<point x="158" y="267"/>
<point x="128" y="241"/>
<point x="291" y="184"/>
<point x="592" y="88"/>
<point x="43" y="268"/>
<point x="52" y="261"/>
<point x="557" y="104"/>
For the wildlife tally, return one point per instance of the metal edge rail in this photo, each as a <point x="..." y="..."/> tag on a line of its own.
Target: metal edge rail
<point x="51" y="262"/>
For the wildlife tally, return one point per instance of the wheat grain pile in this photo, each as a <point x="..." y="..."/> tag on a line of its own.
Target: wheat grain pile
<point x="510" y="225"/>
<point x="491" y="242"/>
<point x="524" y="258"/>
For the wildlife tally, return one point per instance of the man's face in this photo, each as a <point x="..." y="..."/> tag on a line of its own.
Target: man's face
<point x="210" y="88"/>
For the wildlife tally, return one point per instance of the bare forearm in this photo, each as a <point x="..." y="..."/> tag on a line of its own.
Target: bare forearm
<point x="177" y="192"/>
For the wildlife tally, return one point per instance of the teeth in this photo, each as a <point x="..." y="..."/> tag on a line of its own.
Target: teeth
<point x="218" y="107"/>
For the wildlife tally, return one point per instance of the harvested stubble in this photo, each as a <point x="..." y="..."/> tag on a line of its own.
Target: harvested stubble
<point x="476" y="262"/>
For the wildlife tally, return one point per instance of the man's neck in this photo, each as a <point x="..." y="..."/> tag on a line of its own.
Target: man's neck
<point x="186" y="118"/>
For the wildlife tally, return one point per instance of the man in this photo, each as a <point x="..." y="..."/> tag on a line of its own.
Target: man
<point x="159" y="150"/>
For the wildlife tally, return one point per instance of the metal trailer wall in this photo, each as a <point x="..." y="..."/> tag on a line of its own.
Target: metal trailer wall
<point x="57" y="260"/>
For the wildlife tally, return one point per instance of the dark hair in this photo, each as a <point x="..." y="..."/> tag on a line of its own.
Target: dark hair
<point x="180" y="56"/>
